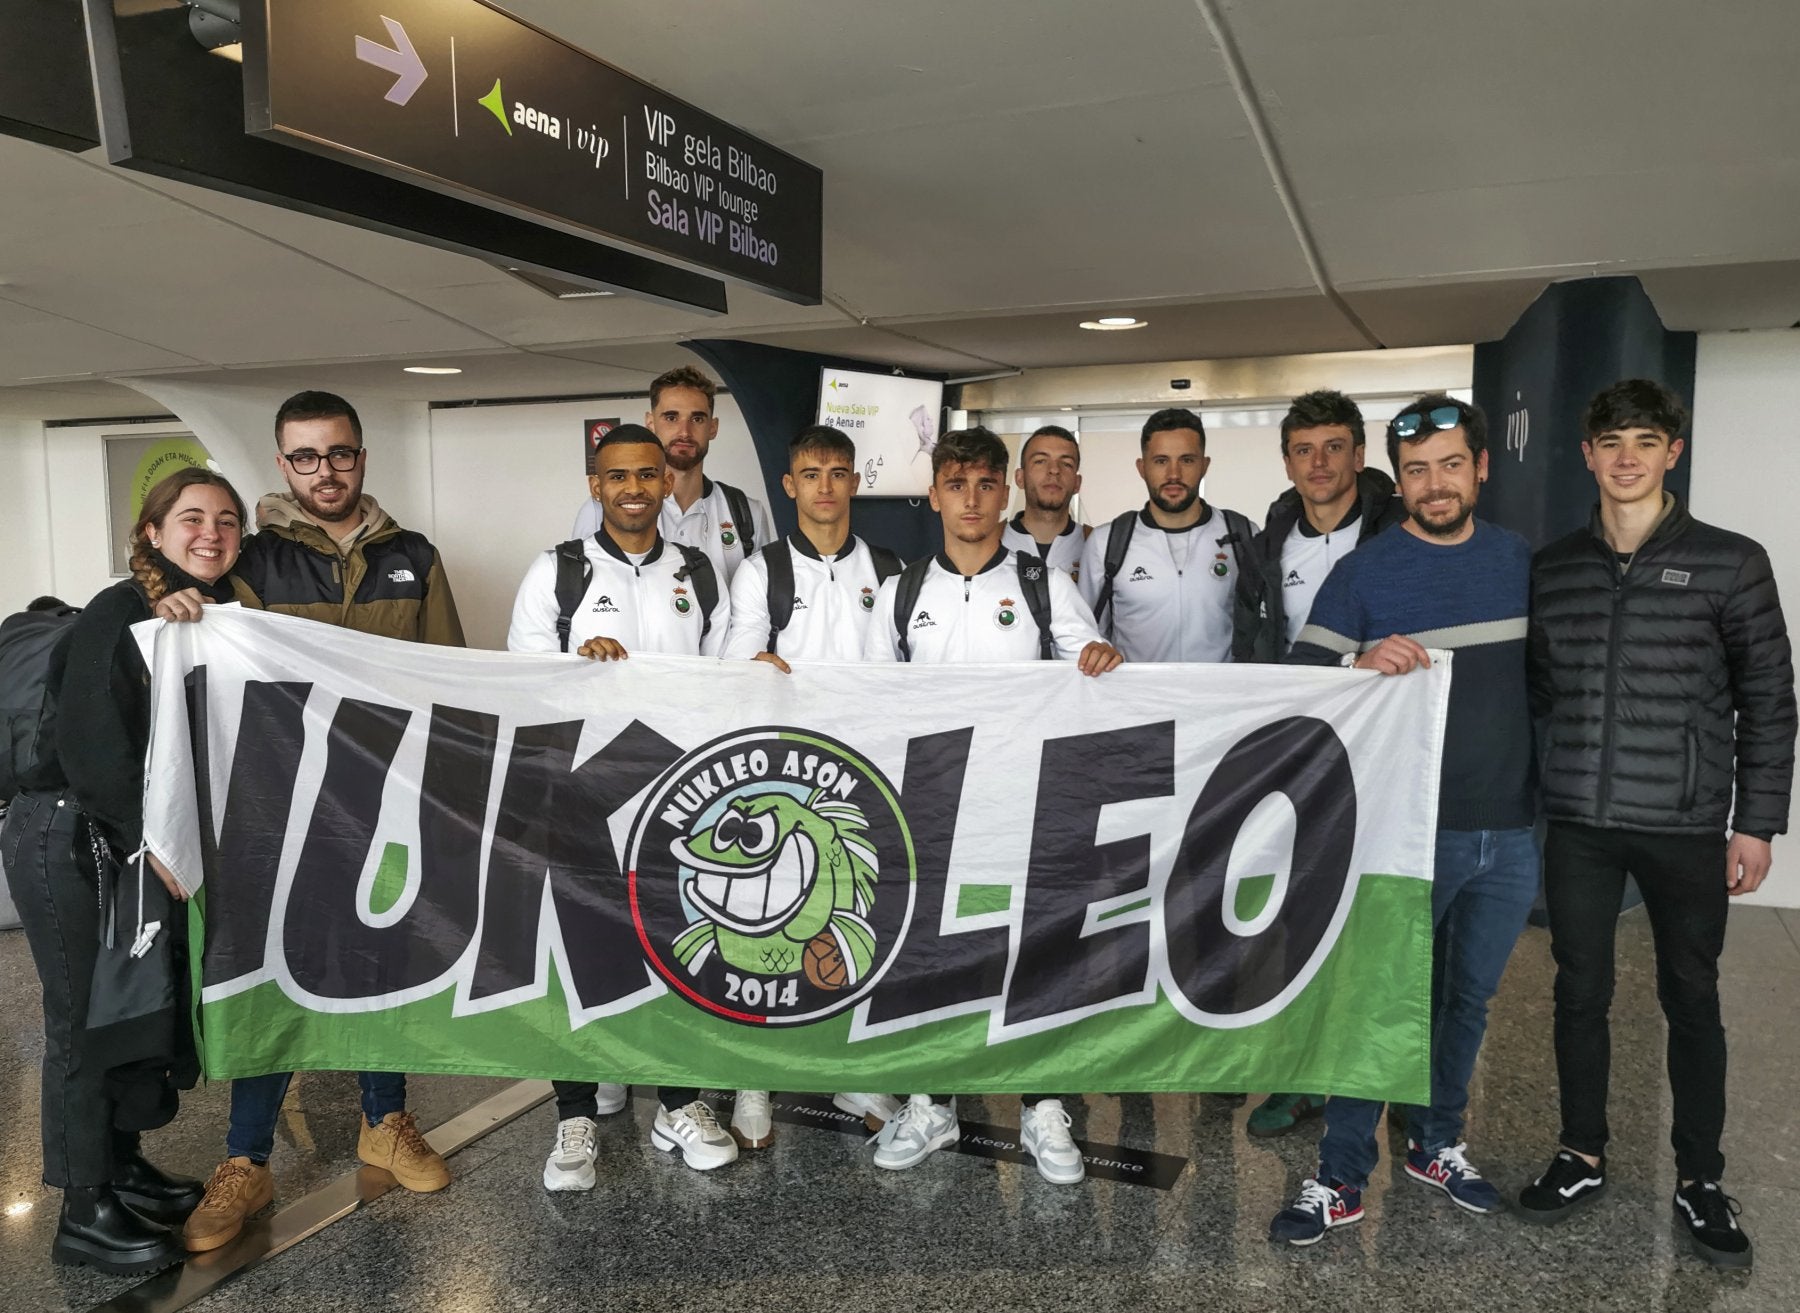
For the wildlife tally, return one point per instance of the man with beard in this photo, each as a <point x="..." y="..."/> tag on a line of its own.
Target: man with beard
<point x="327" y="552"/>
<point x="724" y="522"/>
<point x="1049" y="473"/>
<point x="1161" y="580"/>
<point x="1446" y="581"/>
<point x="627" y="589"/>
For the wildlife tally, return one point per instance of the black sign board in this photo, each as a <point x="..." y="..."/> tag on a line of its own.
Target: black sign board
<point x="45" y="94"/>
<point x="466" y="99"/>
<point x="169" y="108"/>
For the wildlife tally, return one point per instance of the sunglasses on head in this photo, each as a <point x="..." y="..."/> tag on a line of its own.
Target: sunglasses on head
<point x="1409" y="423"/>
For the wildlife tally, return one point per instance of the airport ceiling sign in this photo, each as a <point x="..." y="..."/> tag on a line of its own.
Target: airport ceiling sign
<point x="461" y="97"/>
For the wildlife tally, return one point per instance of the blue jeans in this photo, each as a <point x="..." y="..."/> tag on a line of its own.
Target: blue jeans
<point x="256" y="1104"/>
<point x="1483" y="887"/>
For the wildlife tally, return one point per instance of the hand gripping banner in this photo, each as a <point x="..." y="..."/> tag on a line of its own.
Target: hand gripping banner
<point x="885" y="877"/>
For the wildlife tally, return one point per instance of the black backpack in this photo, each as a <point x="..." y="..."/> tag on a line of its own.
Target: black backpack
<point x="29" y="644"/>
<point x="574" y="572"/>
<point x="778" y="559"/>
<point x="1118" y="542"/>
<point x="1034" y="582"/>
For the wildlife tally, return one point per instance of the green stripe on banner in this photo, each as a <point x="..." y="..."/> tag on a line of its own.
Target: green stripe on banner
<point x="1360" y="1027"/>
<point x="981" y="900"/>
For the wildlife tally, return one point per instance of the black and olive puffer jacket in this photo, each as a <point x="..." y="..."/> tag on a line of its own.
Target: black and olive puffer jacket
<point x="1665" y="682"/>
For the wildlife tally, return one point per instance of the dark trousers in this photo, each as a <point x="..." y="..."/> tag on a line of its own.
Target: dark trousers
<point x="59" y="911"/>
<point x="575" y="1098"/>
<point x="1682" y="878"/>
<point x="256" y="1108"/>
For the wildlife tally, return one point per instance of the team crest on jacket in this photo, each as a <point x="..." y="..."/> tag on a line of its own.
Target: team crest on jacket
<point x="867" y="599"/>
<point x="1221" y="566"/>
<point x="726" y="535"/>
<point x="1006" y="615"/>
<point x="683" y="604"/>
<point x="771" y="877"/>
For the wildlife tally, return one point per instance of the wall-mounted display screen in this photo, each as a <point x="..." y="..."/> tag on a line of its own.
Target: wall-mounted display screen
<point x="894" y="422"/>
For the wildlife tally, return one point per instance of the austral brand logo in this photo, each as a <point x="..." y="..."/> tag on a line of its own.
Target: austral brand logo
<point x="771" y="877"/>
<point x="1140" y="575"/>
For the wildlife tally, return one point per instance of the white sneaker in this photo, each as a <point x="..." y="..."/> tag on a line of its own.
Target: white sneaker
<point x="570" y="1165"/>
<point x="876" y="1110"/>
<point x="695" y="1132"/>
<point x="751" y="1123"/>
<point x="609" y="1099"/>
<point x="921" y="1128"/>
<point x="1044" y="1134"/>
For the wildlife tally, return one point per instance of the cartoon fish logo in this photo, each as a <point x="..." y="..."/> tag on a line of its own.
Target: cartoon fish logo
<point x="782" y="887"/>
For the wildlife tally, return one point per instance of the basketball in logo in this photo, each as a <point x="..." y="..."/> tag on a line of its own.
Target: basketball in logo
<point x="771" y="877"/>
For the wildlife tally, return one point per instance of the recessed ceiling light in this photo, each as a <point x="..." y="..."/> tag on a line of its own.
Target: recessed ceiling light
<point x="431" y="369"/>
<point x="1113" y="324"/>
<point x="1119" y="321"/>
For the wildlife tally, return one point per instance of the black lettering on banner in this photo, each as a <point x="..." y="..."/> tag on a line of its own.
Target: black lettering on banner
<point x="935" y="970"/>
<point x="1223" y="973"/>
<point x="330" y="950"/>
<point x="264" y="769"/>
<point x="1058" y="970"/>
<point x="553" y="828"/>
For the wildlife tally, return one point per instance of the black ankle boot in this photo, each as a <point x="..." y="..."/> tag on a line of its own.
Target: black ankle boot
<point x="149" y="1190"/>
<point x="99" y="1230"/>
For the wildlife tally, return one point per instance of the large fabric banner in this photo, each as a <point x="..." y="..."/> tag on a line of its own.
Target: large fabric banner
<point x="677" y="870"/>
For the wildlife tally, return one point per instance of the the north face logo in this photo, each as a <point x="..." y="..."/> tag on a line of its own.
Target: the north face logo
<point x="402" y="576"/>
<point x="1139" y="574"/>
<point x="1293" y="580"/>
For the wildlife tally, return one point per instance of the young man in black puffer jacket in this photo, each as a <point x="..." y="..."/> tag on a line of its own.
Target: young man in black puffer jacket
<point x="1663" y="678"/>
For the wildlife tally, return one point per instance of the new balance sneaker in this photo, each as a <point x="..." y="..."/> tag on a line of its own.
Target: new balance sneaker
<point x="1567" y="1186"/>
<point x="694" y="1131"/>
<point x="1315" y="1210"/>
<point x="1709" y="1216"/>
<point x="395" y="1145"/>
<point x="1044" y="1134"/>
<point x="752" y="1124"/>
<point x="609" y="1099"/>
<point x="1450" y="1171"/>
<point x="919" y="1130"/>
<point x="876" y="1110"/>
<point x="1280" y="1113"/>
<point x="570" y="1165"/>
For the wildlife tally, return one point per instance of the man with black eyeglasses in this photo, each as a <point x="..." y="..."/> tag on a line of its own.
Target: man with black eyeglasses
<point x="326" y="552"/>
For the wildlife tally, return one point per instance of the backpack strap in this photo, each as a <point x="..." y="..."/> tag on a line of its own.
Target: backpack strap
<point x="1118" y="542"/>
<point x="741" y="519"/>
<point x="697" y="569"/>
<point x="1034" y="582"/>
<point x="906" y="597"/>
<point x="573" y="574"/>
<point x="1238" y="536"/>
<point x="887" y="565"/>
<point x="778" y="559"/>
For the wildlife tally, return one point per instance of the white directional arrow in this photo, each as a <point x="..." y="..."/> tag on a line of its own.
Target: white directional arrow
<point x="402" y="61"/>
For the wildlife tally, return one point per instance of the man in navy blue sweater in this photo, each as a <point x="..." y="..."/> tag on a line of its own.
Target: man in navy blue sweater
<point x="1440" y="580"/>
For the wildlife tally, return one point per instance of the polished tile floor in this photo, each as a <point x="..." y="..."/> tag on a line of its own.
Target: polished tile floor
<point x="809" y="1224"/>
